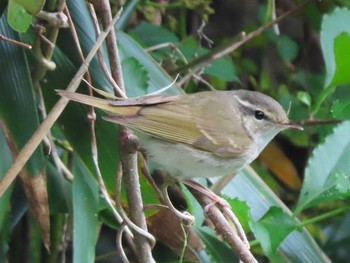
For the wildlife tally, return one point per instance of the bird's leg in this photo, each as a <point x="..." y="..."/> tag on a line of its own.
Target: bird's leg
<point x="225" y="207"/>
<point x="207" y="192"/>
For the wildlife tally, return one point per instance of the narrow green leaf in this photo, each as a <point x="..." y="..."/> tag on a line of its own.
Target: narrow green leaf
<point x="18" y="106"/>
<point x="272" y="229"/>
<point x="5" y="162"/>
<point x="328" y="170"/>
<point x="85" y="220"/>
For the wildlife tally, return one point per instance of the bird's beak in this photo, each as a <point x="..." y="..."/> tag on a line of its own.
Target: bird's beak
<point x="293" y="125"/>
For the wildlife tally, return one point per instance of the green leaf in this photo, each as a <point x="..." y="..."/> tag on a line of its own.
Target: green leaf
<point x="17" y="17"/>
<point x="59" y="191"/>
<point x="328" y="170"/>
<point x="304" y="97"/>
<point x="151" y="35"/>
<point x="18" y="107"/>
<point x="287" y="48"/>
<point x="222" y="68"/>
<point x="241" y="210"/>
<point x="32" y="7"/>
<point x="341" y="109"/>
<point x="5" y="162"/>
<point x="335" y="43"/>
<point x="272" y="229"/>
<point x="217" y="249"/>
<point x="342" y="59"/>
<point x="136" y="77"/>
<point x="247" y="186"/>
<point x="85" y="220"/>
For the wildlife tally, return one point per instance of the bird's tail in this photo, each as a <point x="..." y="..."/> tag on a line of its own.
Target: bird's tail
<point x="106" y="105"/>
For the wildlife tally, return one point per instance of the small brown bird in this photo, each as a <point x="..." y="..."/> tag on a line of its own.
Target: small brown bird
<point x="199" y="135"/>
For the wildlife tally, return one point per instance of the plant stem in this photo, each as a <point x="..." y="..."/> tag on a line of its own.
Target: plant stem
<point x="324" y="216"/>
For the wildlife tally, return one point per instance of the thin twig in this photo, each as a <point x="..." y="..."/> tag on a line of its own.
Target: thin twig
<point x="112" y="46"/>
<point x="100" y="55"/>
<point x="311" y="122"/>
<point x="13" y="41"/>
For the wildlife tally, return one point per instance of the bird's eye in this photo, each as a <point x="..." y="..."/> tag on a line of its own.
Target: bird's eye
<point x="259" y="115"/>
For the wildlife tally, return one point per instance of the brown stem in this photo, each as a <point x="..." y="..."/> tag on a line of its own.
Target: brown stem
<point x="112" y="47"/>
<point x="129" y="145"/>
<point x="13" y="41"/>
<point x="311" y="122"/>
<point x="110" y="79"/>
<point x="224" y="228"/>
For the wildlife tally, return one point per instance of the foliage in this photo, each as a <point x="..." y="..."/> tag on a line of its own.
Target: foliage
<point x="283" y="65"/>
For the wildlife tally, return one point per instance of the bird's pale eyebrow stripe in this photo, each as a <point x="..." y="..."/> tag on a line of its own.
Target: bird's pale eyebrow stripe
<point x="245" y="103"/>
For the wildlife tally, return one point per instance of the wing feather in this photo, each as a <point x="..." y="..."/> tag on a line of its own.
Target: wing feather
<point x="191" y="121"/>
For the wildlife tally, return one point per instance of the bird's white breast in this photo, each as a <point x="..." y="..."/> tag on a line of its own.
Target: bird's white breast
<point x="183" y="161"/>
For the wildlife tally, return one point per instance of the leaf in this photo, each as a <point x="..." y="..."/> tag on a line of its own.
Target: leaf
<point x="217" y="249"/>
<point x="17" y="101"/>
<point x="85" y="220"/>
<point x="5" y="162"/>
<point x="341" y="109"/>
<point x="335" y="43"/>
<point x="151" y="35"/>
<point x="272" y="229"/>
<point x="241" y="210"/>
<point x="222" y="68"/>
<point x="328" y="170"/>
<point x="32" y="7"/>
<point x="17" y="17"/>
<point x="135" y="77"/>
<point x="299" y="246"/>
<point x="287" y="47"/>
<point x="304" y="97"/>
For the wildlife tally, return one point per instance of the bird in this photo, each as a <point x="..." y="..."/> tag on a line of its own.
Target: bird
<point x="204" y="134"/>
<point x="209" y="134"/>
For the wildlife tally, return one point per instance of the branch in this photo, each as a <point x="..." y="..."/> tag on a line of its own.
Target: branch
<point x="129" y="145"/>
<point x="112" y="47"/>
<point x="224" y="228"/>
<point x="15" y="42"/>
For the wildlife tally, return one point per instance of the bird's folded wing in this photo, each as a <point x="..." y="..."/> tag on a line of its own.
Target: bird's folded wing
<point x="198" y="127"/>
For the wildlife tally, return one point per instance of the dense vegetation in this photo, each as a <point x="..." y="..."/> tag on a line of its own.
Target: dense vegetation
<point x="292" y="202"/>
